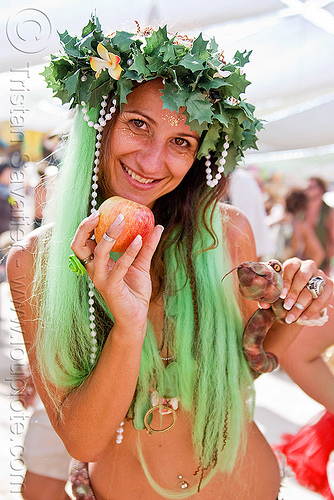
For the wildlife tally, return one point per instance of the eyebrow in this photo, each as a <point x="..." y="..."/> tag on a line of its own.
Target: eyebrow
<point x="134" y="112"/>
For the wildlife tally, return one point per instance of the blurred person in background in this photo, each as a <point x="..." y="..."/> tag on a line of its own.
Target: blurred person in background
<point x="320" y="217"/>
<point x="292" y="234"/>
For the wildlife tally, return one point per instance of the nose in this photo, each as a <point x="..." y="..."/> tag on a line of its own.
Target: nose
<point x="151" y="157"/>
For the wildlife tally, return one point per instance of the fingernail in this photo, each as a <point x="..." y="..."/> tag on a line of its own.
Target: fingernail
<point x="290" y="318"/>
<point x="161" y="227"/>
<point x="137" y="240"/>
<point x="283" y="293"/>
<point x="259" y="305"/>
<point x="288" y="304"/>
<point x="118" y="220"/>
<point x="94" y="215"/>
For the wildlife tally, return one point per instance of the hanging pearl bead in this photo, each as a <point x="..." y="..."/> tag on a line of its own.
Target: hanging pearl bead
<point x="211" y="182"/>
<point x="119" y="433"/>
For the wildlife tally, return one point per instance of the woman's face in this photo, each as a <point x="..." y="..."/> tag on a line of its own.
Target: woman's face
<point x="150" y="149"/>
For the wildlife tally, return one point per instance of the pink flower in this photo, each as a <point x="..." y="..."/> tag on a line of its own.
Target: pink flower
<point x="109" y="61"/>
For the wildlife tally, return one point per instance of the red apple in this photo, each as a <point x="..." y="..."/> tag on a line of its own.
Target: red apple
<point x="138" y="220"/>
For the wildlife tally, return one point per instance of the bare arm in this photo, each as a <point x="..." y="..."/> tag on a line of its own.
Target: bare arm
<point x="303" y="362"/>
<point x="91" y="413"/>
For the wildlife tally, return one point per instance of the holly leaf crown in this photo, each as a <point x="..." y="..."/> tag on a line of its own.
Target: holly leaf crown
<point x="194" y="72"/>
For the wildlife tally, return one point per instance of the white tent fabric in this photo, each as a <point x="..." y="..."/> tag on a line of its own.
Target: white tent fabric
<point x="291" y="68"/>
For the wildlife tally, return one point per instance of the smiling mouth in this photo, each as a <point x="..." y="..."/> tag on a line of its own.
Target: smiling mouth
<point x="137" y="177"/>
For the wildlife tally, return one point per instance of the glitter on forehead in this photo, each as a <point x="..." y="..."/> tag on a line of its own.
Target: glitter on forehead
<point x="173" y="119"/>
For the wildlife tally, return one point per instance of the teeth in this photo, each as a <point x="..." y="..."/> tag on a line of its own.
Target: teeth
<point x="137" y="177"/>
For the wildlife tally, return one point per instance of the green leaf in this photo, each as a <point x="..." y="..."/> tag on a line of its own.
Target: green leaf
<point x="199" y="48"/>
<point x="248" y="109"/>
<point x="63" y="95"/>
<point x="123" y="40"/>
<point x="168" y="53"/>
<point x="139" y="65"/>
<point x="191" y="62"/>
<point x="95" y="98"/>
<point x="170" y="97"/>
<point x="97" y="82"/>
<point x="216" y="83"/>
<point x="71" y="83"/>
<point x="156" y="64"/>
<point x="234" y="132"/>
<point x="124" y="87"/>
<point x="242" y="58"/>
<point x="70" y="44"/>
<point x="61" y="68"/>
<point x="249" y="140"/>
<point x="223" y="117"/>
<point x="238" y="84"/>
<point x="86" y="30"/>
<point x="199" y="108"/>
<point x="155" y="40"/>
<point x="239" y="114"/>
<point x="210" y="139"/>
<point x="194" y="124"/>
<point x="213" y="45"/>
<point x="83" y="89"/>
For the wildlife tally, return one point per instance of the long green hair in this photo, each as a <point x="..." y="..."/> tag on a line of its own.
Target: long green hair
<point x="210" y="373"/>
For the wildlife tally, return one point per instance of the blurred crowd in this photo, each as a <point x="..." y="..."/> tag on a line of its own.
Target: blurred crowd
<point x="287" y="220"/>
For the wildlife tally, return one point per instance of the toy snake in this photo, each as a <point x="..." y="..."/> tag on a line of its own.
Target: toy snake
<point x="264" y="282"/>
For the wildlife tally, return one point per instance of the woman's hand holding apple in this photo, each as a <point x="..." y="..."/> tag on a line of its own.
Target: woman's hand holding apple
<point x="125" y="284"/>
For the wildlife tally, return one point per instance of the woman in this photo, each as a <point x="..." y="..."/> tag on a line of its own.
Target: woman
<point x="151" y="341"/>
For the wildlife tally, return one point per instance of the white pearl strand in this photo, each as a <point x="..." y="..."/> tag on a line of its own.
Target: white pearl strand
<point x="211" y="182"/>
<point x="99" y="127"/>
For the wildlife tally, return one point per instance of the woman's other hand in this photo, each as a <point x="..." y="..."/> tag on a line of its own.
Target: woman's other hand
<point x="298" y="300"/>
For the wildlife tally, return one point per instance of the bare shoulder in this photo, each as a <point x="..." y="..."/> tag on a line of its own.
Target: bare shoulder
<point x="21" y="257"/>
<point x="238" y="233"/>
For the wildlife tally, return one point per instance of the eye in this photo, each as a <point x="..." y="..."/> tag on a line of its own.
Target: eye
<point x="181" y="142"/>
<point x="276" y="266"/>
<point x="138" y="123"/>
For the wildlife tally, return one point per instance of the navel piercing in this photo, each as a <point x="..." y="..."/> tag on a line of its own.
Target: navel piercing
<point x="211" y="182"/>
<point x="183" y="484"/>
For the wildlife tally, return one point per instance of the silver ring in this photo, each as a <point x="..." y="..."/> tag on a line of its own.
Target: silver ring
<point x="87" y="259"/>
<point x="316" y="286"/>
<point x="108" y="238"/>
<point x="299" y="306"/>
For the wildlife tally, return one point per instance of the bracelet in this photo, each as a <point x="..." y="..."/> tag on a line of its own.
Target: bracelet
<point x="315" y="322"/>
